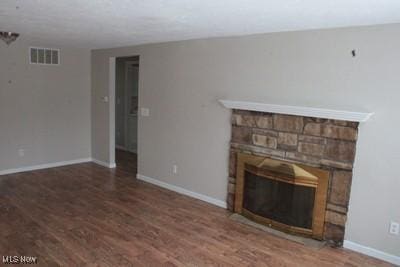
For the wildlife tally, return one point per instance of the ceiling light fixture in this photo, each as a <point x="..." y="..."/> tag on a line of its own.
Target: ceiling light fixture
<point x="8" y="37"/>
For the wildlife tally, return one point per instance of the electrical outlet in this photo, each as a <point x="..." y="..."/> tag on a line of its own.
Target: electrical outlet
<point x="175" y="169"/>
<point x="394" y="228"/>
<point x="21" y="152"/>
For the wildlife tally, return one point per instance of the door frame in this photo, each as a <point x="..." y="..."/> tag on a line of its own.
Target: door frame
<point x="111" y="107"/>
<point x="111" y="111"/>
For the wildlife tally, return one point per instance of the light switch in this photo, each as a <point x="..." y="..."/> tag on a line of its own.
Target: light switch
<point x="105" y="99"/>
<point x="145" y="112"/>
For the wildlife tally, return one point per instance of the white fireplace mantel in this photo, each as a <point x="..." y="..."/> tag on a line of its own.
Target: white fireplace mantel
<point x="299" y="111"/>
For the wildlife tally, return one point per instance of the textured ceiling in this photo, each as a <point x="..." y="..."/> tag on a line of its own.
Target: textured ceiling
<point x="111" y="23"/>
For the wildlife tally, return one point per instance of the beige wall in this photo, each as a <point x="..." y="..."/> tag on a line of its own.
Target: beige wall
<point x="181" y="81"/>
<point x="43" y="109"/>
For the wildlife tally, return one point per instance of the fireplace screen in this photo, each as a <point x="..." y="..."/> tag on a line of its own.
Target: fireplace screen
<point x="284" y="195"/>
<point x="283" y="202"/>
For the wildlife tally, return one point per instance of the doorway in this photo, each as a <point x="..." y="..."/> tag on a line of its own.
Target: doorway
<point x="126" y="112"/>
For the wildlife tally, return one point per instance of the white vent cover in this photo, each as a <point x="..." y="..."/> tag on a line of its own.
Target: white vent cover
<point x="44" y="56"/>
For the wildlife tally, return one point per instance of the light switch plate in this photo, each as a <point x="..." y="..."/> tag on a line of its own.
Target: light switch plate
<point x="145" y="112"/>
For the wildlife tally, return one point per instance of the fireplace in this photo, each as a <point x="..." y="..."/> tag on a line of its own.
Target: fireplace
<point x="283" y="195"/>
<point x="315" y="155"/>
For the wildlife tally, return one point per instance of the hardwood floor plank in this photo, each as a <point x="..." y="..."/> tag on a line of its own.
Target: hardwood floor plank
<point x="88" y="215"/>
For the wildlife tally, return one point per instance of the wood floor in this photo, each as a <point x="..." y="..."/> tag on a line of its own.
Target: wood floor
<point x="126" y="161"/>
<point x="88" y="215"/>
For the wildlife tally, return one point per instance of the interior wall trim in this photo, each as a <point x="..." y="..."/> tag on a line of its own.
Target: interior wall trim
<point x="110" y="165"/>
<point x="371" y="252"/>
<point x="45" y="166"/>
<point x="299" y="110"/>
<point x="183" y="191"/>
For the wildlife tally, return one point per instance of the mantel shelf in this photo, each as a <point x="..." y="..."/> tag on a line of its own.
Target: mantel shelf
<point x="298" y="110"/>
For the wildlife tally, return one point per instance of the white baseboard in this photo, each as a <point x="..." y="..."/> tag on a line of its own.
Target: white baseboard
<point x="183" y="191"/>
<point x="104" y="164"/>
<point x="372" y="252"/>
<point x="57" y="164"/>
<point x="45" y="166"/>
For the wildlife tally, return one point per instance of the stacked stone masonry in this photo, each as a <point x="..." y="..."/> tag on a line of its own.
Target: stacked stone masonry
<point x="322" y="143"/>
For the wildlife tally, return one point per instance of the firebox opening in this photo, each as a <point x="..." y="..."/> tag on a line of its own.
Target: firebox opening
<point x="287" y="196"/>
<point x="283" y="202"/>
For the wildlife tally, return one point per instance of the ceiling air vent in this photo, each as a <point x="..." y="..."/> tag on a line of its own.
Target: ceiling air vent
<point x="44" y="56"/>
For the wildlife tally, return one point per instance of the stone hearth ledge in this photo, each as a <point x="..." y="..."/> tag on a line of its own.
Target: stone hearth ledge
<point x="298" y="110"/>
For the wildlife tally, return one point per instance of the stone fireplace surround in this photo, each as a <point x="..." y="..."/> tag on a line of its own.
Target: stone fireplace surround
<point x="324" y="143"/>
